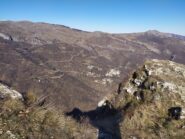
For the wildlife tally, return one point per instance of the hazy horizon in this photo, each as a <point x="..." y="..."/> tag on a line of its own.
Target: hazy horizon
<point x="126" y="16"/>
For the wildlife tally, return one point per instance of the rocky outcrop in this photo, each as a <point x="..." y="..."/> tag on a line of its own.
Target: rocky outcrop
<point x="152" y="101"/>
<point x="157" y="77"/>
<point x="6" y="37"/>
<point x="5" y="92"/>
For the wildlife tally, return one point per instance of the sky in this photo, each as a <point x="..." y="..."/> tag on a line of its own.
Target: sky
<point x="114" y="16"/>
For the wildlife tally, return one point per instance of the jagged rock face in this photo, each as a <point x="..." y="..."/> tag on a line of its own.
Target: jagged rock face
<point x="75" y="67"/>
<point x="153" y="101"/>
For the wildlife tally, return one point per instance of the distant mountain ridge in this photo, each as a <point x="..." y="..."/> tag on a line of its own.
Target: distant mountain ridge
<point x="157" y="33"/>
<point x="73" y="66"/>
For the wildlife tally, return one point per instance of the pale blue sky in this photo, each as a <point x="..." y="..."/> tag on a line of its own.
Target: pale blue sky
<point x="118" y="16"/>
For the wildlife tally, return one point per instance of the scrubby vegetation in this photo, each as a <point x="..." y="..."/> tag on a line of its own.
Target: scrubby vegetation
<point x="18" y="120"/>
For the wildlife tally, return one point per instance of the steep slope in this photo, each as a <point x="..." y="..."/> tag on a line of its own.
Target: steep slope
<point x="73" y="66"/>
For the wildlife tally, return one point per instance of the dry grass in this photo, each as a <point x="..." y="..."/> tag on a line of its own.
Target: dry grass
<point x="18" y="121"/>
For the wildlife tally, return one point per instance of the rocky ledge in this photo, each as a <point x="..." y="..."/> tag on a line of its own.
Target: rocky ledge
<point x="152" y="101"/>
